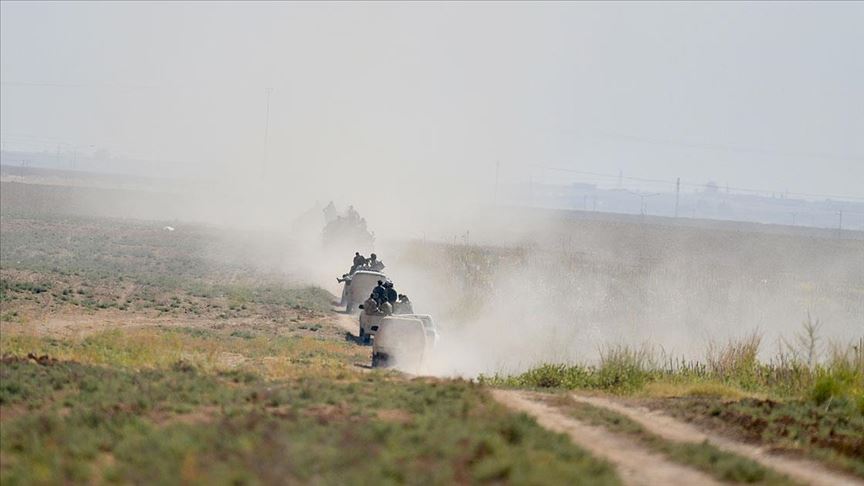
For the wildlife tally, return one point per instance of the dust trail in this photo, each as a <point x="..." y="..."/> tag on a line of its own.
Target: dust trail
<point x="563" y="291"/>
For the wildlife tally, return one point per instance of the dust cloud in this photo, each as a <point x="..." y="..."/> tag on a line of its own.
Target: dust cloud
<point x="554" y="290"/>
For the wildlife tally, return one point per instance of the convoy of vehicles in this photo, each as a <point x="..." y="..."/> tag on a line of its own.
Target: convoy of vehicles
<point x="401" y="340"/>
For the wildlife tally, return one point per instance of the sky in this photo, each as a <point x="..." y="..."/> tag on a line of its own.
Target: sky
<point x="762" y="95"/>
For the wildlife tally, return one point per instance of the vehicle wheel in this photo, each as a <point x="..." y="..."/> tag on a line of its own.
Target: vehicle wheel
<point x="349" y="307"/>
<point x="375" y="361"/>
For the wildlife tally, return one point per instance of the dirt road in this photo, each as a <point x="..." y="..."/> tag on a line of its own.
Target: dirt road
<point x="347" y="322"/>
<point x="638" y="466"/>
<point x="657" y="423"/>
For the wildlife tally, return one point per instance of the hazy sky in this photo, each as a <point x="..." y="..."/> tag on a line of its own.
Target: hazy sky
<point x="767" y="95"/>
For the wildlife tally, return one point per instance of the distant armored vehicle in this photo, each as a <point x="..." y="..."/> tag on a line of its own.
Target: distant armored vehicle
<point x="358" y="286"/>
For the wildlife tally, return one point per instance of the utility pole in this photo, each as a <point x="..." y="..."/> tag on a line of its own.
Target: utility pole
<point x="497" y="168"/>
<point x="840" y="223"/>
<point x="267" y="91"/>
<point x="677" y="194"/>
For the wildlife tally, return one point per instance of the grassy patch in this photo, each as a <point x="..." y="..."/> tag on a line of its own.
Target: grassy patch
<point x="729" y="370"/>
<point x="88" y="423"/>
<point x="721" y="465"/>
<point x="209" y="350"/>
<point x="832" y="432"/>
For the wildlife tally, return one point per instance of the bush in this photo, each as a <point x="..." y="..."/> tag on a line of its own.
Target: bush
<point x="826" y="388"/>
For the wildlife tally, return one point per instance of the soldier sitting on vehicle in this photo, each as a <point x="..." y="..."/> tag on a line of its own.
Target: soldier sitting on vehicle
<point x="374" y="263"/>
<point x="359" y="261"/>
<point x="370" y="307"/>
<point x="385" y="308"/>
<point x="379" y="292"/>
<point x="403" y="305"/>
<point x="392" y="295"/>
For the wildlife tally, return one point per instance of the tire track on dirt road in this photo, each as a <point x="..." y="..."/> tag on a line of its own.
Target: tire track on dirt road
<point x="346" y="322"/>
<point x="349" y="324"/>
<point x="668" y="428"/>
<point x="635" y="464"/>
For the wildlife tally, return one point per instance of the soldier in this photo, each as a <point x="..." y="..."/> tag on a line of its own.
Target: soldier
<point x="385" y="308"/>
<point x="403" y="305"/>
<point x="380" y="293"/>
<point x="370" y="307"/>
<point x="329" y="212"/>
<point x="392" y="295"/>
<point x="359" y="261"/>
<point x="352" y="214"/>
<point x="375" y="264"/>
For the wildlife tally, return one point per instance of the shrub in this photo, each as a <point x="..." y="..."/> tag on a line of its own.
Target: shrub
<point x="826" y="388"/>
<point x="736" y="360"/>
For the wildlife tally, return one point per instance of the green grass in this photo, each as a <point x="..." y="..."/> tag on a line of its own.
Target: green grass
<point x="723" y="466"/>
<point x="70" y="422"/>
<point x="832" y="432"/>
<point x="732" y="365"/>
<point x="211" y="350"/>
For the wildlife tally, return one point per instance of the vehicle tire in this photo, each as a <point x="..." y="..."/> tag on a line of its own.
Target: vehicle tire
<point x="375" y="362"/>
<point x="349" y="307"/>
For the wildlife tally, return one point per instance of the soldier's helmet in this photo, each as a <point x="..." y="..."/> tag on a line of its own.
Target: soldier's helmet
<point x="373" y="256"/>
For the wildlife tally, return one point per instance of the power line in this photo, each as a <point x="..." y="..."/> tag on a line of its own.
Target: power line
<point x="36" y="84"/>
<point x="691" y="184"/>
<point x="731" y="148"/>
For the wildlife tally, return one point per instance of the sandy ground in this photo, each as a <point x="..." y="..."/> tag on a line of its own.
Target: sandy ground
<point x="71" y="325"/>
<point x="346" y="322"/>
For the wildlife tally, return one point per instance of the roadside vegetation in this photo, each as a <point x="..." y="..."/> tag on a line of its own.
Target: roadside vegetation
<point x="798" y="402"/>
